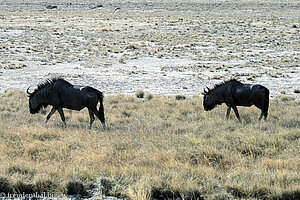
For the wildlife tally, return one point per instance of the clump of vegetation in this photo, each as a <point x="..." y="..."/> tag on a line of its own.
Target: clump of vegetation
<point x="76" y="188"/>
<point x="122" y="60"/>
<point x="5" y="186"/>
<point x="148" y="96"/>
<point x="140" y="94"/>
<point x="22" y="186"/>
<point x="297" y="90"/>
<point x="179" y="97"/>
<point x="45" y="185"/>
<point x="284" y="98"/>
<point x="282" y="92"/>
<point x="13" y="66"/>
<point x="132" y="47"/>
<point x="152" y="149"/>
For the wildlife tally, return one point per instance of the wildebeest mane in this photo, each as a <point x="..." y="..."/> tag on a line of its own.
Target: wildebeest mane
<point x="224" y="83"/>
<point x="47" y="83"/>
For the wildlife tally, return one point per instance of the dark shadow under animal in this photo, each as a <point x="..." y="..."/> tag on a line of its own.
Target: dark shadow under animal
<point x="60" y="94"/>
<point x="234" y="93"/>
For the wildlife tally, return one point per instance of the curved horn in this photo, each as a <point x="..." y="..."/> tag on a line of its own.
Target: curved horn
<point x="28" y="91"/>
<point x="206" y="91"/>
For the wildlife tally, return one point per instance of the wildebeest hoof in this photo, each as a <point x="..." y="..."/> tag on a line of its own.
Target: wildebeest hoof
<point x="104" y="126"/>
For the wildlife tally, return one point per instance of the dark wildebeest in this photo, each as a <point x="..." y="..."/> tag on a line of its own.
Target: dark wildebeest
<point x="234" y="93"/>
<point x="60" y="94"/>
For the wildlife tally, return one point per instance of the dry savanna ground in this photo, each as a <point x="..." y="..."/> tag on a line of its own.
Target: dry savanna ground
<point x="157" y="146"/>
<point x="162" y="47"/>
<point x="154" y="147"/>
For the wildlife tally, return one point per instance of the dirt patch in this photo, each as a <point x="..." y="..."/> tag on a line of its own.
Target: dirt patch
<point x="162" y="48"/>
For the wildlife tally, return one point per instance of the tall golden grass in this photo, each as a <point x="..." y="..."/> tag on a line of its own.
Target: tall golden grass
<point x="156" y="147"/>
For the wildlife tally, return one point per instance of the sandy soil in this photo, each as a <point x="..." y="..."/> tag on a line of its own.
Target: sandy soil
<point x="161" y="47"/>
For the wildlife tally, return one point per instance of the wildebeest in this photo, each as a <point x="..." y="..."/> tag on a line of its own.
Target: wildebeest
<point x="234" y="93"/>
<point x="60" y="94"/>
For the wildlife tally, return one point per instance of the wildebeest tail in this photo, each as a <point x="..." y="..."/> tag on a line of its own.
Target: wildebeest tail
<point x="267" y="95"/>
<point x="266" y="102"/>
<point x="101" y="109"/>
<point x="100" y="96"/>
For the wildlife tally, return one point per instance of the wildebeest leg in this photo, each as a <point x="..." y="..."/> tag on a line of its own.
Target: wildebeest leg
<point x="265" y="114"/>
<point x="50" y="114"/>
<point x="96" y="112"/>
<point x="62" y="116"/>
<point x="261" y="115"/>
<point x="264" y="109"/>
<point x="236" y="113"/>
<point x="228" y="112"/>
<point x="92" y="118"/>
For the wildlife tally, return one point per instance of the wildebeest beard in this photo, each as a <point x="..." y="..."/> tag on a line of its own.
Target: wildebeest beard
<point x="37" y="109"/>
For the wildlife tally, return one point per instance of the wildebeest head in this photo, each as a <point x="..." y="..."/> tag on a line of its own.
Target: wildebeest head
<point x="209" y="100"/>
<point x="35" y="103"/>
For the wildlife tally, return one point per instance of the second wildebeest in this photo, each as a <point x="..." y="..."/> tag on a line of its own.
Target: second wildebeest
<point x="234" y="93"/>
<point x="60" y="94"/>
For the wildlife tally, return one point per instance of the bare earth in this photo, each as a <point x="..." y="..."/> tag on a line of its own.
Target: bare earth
<point x="160" y="47"/>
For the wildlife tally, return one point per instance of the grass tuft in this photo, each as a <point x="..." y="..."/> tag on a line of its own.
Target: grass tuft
<point x="140" y="94"/>
<point x="5" y="185"/>
<point x="179" y="97"/>
<point x="21" y="186"/>
<point x="296" y="90"/>
<point x="148" y="96"/>
<point x="75" y="188"/>
<point x="45" y="185"/>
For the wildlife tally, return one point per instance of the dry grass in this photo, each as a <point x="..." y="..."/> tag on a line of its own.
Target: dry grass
<point x="155" y="148"/>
